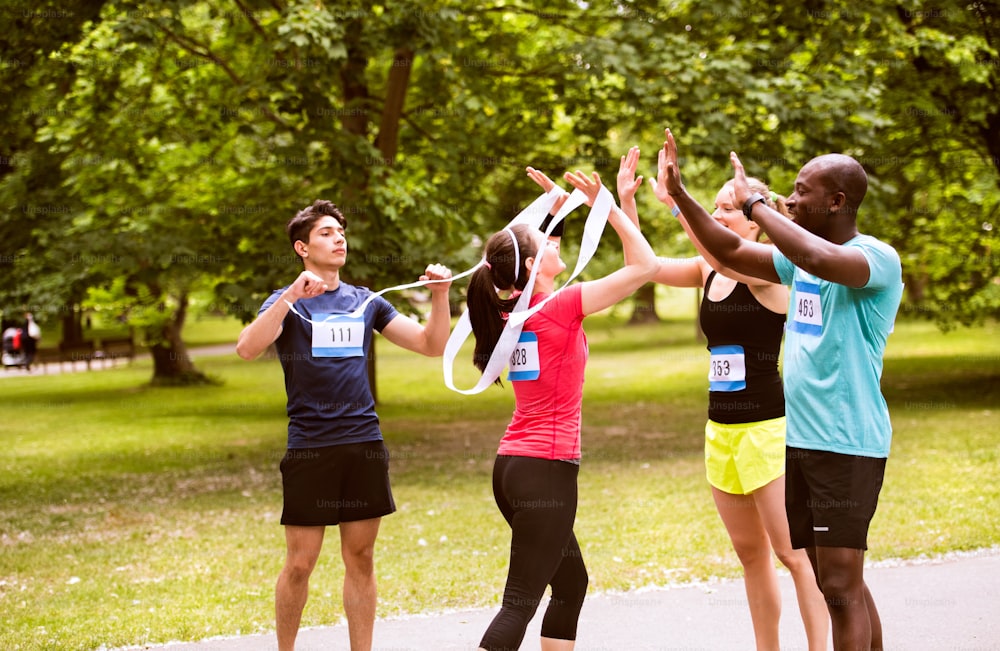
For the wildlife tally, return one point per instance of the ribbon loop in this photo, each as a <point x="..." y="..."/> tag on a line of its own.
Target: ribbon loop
<point x="592" y="231"/>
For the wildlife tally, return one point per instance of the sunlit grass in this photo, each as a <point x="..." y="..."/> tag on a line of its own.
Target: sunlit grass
<point x="133" y="514"/>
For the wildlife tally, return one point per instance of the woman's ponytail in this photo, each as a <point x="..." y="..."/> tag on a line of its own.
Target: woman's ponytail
<point x="504" y="269"/>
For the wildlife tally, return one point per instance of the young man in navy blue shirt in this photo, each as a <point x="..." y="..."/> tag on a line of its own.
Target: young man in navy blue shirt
<point x="335" y="470"/>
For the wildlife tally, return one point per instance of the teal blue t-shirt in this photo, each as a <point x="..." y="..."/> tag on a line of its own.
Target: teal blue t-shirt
<point x="834" y="341"/>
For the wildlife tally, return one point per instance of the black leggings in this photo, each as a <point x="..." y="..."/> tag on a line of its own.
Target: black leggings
<point x="538" y="497"/>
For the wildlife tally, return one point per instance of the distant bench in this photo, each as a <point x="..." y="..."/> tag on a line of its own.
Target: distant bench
<point x="120" y="348"/>
<point x="76" y="351"/>
<point x="46" y="356"/>
<point x="86" y="351"/>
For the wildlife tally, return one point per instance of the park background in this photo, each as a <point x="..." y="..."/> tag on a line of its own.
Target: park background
<point x="151" y="153"/>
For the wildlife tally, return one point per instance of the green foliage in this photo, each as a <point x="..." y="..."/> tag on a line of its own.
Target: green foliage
<point x="166" y="143"/>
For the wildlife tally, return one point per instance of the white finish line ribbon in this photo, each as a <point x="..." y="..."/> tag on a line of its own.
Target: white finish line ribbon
<point x="533" y="214"/>
<point x="592" y="230"/>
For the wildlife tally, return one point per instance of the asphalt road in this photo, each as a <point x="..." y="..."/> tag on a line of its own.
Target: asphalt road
<point x="950" y="603"/>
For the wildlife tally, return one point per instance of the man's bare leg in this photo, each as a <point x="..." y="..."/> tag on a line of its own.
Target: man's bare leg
<point x="852" y="612"/>
<point x="303" y="545"/>
<point x="357" y="547"/>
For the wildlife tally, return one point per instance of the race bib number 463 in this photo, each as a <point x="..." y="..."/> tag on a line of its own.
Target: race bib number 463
<point x="338" y="335"/>
<point x="807" y="316"/>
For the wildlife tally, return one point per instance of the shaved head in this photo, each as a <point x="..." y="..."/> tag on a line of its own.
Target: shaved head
<point x="841" y="173"/>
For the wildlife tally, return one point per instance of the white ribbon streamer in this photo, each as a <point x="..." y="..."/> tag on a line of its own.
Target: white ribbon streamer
<point x="534" y="214"/>
<point x="593" y="228"/>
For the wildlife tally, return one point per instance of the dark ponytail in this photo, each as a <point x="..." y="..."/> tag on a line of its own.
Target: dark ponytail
<point x="487" y="310"/>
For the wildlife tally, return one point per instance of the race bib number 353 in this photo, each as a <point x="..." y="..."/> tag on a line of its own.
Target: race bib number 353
<point x="729" y="369"/>
<point x="807" y="317"/>
<point x="338" y="335"/>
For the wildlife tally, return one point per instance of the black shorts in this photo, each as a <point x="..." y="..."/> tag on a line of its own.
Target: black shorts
<point x="830" y="498"/>
<point x="334" y="484"/>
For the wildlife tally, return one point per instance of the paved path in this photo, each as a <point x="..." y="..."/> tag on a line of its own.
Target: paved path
<point x="55" y="368"/>
<point x="950" y="603"/>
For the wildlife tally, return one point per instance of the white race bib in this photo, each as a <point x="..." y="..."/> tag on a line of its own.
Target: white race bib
<point x="524" y="363"/>
<point x="807" y="316"/>
<point x="338" y="335"/>
<point x="728" y="371"/>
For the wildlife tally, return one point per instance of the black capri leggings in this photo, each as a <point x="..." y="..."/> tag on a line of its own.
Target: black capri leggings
<point x="538" y="498"/>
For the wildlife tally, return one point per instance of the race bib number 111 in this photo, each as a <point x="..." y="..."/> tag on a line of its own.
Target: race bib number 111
<point x="338" y="335"/>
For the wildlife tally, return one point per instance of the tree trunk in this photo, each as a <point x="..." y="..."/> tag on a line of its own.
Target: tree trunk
<point x="395" y="97"/>
<point x="644" y="303"/>
<point x="72" y="325"/>
<point x="387" y="142"/>
<point x="171" y="364"/>
<point x="355" y="89"/>
<point x="353" y="84"/>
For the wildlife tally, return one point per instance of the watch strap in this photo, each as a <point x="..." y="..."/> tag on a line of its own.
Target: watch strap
<point x="749" y="203"/>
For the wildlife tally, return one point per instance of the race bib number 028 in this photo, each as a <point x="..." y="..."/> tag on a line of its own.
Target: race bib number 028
<point x="807" y="317"/>
<point x="338" y="335"/>
<point x="524" y="363"/>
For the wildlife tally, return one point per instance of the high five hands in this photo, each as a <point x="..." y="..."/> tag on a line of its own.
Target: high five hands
<point x="628" y="182"/>
<point x="741" y="189"/>
<point x="547" y="184"/>
<point x="590" y="186"/>
<point x="668" y="174"/>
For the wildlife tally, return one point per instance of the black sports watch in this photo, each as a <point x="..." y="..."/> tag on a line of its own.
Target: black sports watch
<point x="749" y="203"/>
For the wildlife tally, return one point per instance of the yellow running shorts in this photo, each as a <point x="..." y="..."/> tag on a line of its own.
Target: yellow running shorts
<point x="742" y="457"/>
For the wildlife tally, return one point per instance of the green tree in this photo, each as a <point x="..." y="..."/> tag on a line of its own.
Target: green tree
<point x="165" y="143"/>
<point x="938" y="156"/>
<point x="30" y="192"/>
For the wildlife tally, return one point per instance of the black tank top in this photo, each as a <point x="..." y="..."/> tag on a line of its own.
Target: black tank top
<point x="739" y="326"/>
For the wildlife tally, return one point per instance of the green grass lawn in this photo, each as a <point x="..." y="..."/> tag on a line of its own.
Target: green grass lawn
<point x="131" y="514"/>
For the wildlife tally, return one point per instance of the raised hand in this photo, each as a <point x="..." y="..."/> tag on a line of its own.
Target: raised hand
<point x="547" y="184"/>
<point x="540" y="178"/>
<point x="589" y="185"/>
<point x="437" y="272"/>
<point x="673" y="173"/>
<point x="660" y="184"/>
<point x="628" y="183"/>
<point x="307" y="285"/>
<point x="741" y="190"/>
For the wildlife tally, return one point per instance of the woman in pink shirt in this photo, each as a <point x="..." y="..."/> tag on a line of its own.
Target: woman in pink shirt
<point x="535" y="474"/>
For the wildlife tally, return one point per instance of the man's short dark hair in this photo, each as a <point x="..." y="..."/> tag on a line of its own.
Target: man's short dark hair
<point x="299" y="227"/>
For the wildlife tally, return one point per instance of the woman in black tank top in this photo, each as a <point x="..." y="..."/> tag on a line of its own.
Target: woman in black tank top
<point x="740" y="320"/>
<point x="743" y="320"/>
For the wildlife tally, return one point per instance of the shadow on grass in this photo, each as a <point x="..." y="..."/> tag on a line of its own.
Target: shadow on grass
<point x="942" y="382"/>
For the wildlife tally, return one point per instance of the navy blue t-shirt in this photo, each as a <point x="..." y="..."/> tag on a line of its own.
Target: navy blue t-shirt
<point x="329" y="402"/>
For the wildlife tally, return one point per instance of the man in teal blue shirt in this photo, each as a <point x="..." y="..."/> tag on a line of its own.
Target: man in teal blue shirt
<point x="845" y="292"/>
